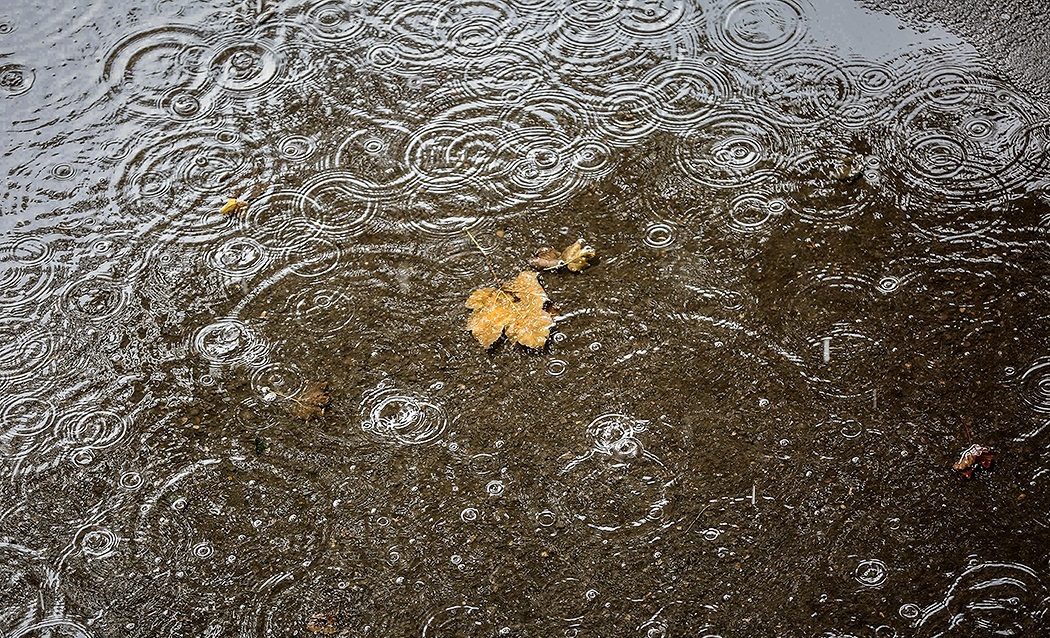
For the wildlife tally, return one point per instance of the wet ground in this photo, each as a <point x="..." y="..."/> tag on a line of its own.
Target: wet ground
<point x="822" y="243"/>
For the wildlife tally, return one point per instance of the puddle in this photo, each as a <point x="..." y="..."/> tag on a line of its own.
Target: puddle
<point x="821" y="239"/>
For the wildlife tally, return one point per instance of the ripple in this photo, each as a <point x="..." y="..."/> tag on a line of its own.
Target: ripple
<point x="183" y="105"/>
<point x="247" y="67"/>
<point x="731" y="151"/>
<point x="92" y="429"/>
<point x="239" y="257"/>
<point x="16" y="79"/>
<point x="1007" y="599"/>
<point x="25" y="348"/>
<point x="228" y="342"/>
<point x="332" y="204"/>
<point x="687" y="92"/>
<point x="808" y="89"/>
<point x="754" y="212"/>
<point x="296" y="148"/>
<point x="96" y="542"/>
<point x="94" y="299"/>
<point x="649" y="19"/>
<point x="627" y="113"/>
<point x="965" y="140"/>
<point x="150" y="66"/>
<point x="659" y="235"/>
<point x="27" y="271"/>
<point x="323" y="310"/>
<point x="1035" y="386"/>
<point x="402" y="418"/>
<point x="758" y="29"/>
<point x="25" y="417"/>
<point x="871" y="573"/>
<point x="278" y="379"/>
<point x="337" y="21"/>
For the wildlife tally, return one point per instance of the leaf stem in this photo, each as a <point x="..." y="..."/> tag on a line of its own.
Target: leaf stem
<point x="483" y="254"/>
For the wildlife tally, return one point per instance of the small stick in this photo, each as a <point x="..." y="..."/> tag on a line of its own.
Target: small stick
<point x="485" y="255"/>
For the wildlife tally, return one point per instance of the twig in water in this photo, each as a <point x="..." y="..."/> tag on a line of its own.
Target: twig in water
<point x="483" y="254"/>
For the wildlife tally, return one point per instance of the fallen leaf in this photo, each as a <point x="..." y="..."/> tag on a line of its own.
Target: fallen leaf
<point x="546" y="258"/>
<point x="577" y="255"/>
<point x="311" y="403"/>
<point x="324" y="624"/>
<point x="516" y="308"/>
<point x="973" y="456"/>
<point x="232" y="206"/>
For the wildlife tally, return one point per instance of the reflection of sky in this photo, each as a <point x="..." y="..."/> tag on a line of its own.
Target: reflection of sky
<point x="865" y="33"/>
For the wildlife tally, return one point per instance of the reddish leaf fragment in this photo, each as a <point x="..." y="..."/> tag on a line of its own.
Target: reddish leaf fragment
<point x="324" y="624"/>
<point x="972" y="457"/>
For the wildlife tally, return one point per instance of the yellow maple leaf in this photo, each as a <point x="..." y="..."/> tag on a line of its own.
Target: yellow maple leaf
<point x="515" y="308"/>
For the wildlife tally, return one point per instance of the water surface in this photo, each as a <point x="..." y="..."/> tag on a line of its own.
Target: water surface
<point x="822" y="242"/>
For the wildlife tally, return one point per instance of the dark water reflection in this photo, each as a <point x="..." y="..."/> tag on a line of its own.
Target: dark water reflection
<point x="822" y="276"/>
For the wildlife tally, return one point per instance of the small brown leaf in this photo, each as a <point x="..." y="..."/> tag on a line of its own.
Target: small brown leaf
<point x="232" y="206"/>
<point x="312" y="403"/>
<point x="576" y="256"/>
<point x="972" y="457"/>
<point x="546" y="258"/>
<point x="515" y="308"/>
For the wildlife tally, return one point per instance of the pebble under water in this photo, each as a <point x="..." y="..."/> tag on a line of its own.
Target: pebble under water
<point x="822" y="273"/>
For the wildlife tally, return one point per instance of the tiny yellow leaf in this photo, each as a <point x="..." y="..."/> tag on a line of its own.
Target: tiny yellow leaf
<point x="232" y="206"/>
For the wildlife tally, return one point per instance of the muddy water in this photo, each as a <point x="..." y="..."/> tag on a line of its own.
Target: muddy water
<point x="822" y="243"/>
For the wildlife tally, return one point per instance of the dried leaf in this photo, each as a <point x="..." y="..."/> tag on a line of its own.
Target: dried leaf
<point x="546" y="258"/>
<point x="516" y="308"/>
<point x="577" y="255"/>
<point x="311" y="403"/>
<point x="232" y="206"/>
<point x="972" y="457"/>
<point x="324" y="624"/>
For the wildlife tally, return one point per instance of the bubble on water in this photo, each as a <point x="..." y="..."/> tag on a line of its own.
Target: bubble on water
<point x="495" y="488"/>
<point x="546" y="518"/>
<point x="203" y="550"/>
<point x="469" y="515"/>
<point x="402" y="418"/>
<point x="871" y="573"/>
<point x="909" y="611"/>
